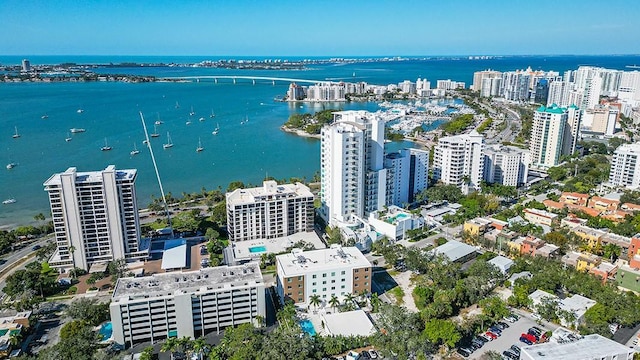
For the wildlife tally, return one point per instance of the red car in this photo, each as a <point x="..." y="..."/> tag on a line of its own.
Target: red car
<point x="529" y="337"/>
<point x="491" y="335"/>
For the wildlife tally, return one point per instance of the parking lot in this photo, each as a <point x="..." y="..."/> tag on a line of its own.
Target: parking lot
<point x="510" y="336"/>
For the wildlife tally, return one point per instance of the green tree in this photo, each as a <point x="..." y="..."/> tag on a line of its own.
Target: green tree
<point x="119" y="269"/>
<point x="315" y="300"/>
<point x="147" y="353"/>
<point x="494" y="308"/>
<point x="334" y="302"/>
<point x="88" y="310"/>
<point x="442" y="332"/>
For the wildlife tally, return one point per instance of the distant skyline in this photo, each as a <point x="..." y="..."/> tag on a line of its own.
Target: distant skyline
<point x="319" y="28"/>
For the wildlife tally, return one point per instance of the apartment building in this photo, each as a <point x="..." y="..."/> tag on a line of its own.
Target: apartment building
<point x="540" y="217"/>
<point x="592" y="346"/>
<point x="506" y="165"/>
<point x="95" y="217"/>
<point x="625" y="171"/>
<point x="335" y="271"/>
<point x="459" y="160"/>
<point x="353" y="177"/>
<point x="554" y="133"/>
<point x="270" y="211"/>
<point x="409" y="174"/>
<point x="190" y="304"/>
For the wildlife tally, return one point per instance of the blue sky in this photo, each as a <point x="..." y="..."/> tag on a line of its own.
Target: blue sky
<point x="319" y="28"/>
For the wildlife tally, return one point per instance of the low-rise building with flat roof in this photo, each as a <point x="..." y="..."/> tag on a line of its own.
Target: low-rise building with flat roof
<point x="476" y="226"/>
<point x="581" y="261"/>
<point x="394" y="222"/>
<point x="456" y="251"/>
<point x="190" y="304"/>
<point x="502" y="263"/>
<point x="335" y="271"/>
<point x="592" y="346"/>
<point x="540" y="217"/>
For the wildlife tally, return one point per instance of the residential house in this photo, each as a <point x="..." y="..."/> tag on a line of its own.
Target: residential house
<point x="475" y="227"/>
<point x="603" y="204"/>
<point x="604" y="270"/>
<point x="581" y="261"/>
<point x="574" y="198"/>
<point x="540" y="217"/>
<point x="591" y="236"/>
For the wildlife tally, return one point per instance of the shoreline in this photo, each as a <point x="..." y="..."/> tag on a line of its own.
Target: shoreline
<point x="300" y="133"/>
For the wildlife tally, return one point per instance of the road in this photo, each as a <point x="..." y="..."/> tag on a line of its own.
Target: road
<point x="9" y="260"/>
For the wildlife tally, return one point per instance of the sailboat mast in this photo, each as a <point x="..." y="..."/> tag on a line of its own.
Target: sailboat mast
<point x="155" y="167"/>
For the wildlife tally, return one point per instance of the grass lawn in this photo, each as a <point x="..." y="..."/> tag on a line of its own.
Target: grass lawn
<point x="398" y="293"/>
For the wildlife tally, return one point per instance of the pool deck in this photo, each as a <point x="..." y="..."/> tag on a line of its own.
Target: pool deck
<point x="242" y="249"/>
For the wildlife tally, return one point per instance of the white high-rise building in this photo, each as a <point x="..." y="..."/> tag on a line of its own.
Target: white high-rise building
<point x="479" y="76"/>
<point x="460" y="157"/>
<point x="269" y="212"/>
<point x="601" y="119"/>
<point x="506" y="165"/>
<point x="95" y="217"/>
<point x="559" y="93"/>
<point x="353" y="177"/>
<point x="409" y="174"/>
<point x="515" y="85"/>
<point x="490" y="86"/>
<point x="554" y="133"/>
<point x="625" y="166"/>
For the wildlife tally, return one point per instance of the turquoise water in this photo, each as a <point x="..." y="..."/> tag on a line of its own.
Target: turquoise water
<point x="247" y="152"/>
<point x="307" y="327"/>
<point x="106" y="330"/>
<point x="257" y="249"/>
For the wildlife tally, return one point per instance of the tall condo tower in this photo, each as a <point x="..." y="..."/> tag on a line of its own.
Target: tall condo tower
<point x="353" y="177"/>
<point x="95" y="217"/>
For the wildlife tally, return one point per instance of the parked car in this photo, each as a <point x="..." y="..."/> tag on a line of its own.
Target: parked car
<point x="481" y="339"/>
<point x="491" y="335"/>
<point x="477" y="342"/>
<point x="535" y="316"/>
<point x="364" y="355"/>
<point x="373" y="354"/>
<point x="495" y="330"/>
<point x="503" y="324"/>
<point x="203" y="250"/>
<point x="512" y="318"/>
<point x="37" y="247"/>
<point x="525" y="340"/>
<point x="463" y="352"/>
<point x="530" y="337"/>
<point x="510" y="355"/>
<point x="516" y="349"/>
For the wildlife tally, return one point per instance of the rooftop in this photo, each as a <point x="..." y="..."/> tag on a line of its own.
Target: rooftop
<point x="220" y="277"/>
<point x="542" y="213"/>
<point x="576" y="304"/>
<point x="270" y="190"/>
<point x="590" y="347"/>
<point x="300" y="262"/>
<point x="349" y="323"/>
<point x="501" y="262"/>
<point x="454" y="250"/>
<point x="91" y="176"/>
<point x="243" y="250"/>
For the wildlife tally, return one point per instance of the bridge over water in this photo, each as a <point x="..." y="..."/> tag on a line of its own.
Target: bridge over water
<point x="253" y="79"/>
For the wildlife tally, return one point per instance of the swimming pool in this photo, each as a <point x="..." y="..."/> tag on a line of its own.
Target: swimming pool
<point x="257" y="249"/>
<point x="106" y="330"/>
<point x="307" y="327"/>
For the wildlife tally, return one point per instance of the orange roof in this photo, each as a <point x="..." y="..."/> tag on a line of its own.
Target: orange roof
<point x="604" y="200"/>
<point x="574" y="194"/>
<point x="630" y="206"/>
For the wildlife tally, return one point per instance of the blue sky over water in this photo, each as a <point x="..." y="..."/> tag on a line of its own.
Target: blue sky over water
<point x="319" y="28"/>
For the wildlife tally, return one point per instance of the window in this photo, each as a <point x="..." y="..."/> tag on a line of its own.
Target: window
<point x="324" y="282"/>
<point x="314" y="276"/>
<point x="314" y="290"/>
<point x="289" y="287"/>
<point x="342" y="287"/>
<point x="324" y="275"/>
<point x="333" y="281"/>
<point x="366" y="276"/>
<point x="343" y="280"/>
<point x="333" y="288"/>
<point x="299" y="278"/>
<point x="366" y="283"/>
<point x="314" y="284"/>
<point x="356" y="270"/>
<point x="289" y="280"/>
<point x="324" y="289"/>
<point x="333" y="273"/>
<point x="343" y="272"/>
<point x="356" y="278"/>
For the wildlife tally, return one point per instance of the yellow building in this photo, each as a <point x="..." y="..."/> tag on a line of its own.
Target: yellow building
<point x="581" y="261"/>
<point x="475" y="226"/>
<point x="591" y="236"/>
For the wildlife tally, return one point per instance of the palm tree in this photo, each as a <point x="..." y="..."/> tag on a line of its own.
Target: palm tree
<point x="200" y="347"/>
<point x="348" y="298"/>
<point x="334" y="302"/>
<point x="315" y="301"/>
<point x="375" y="302"/>
<point x="363" y="295"/>
<point x="147" y="353"/>
<point x="185" y="344"/>
<point x="170" y="345"/>
<point x="260" y="320"/>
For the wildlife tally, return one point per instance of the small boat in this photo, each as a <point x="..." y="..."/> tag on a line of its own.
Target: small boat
<point x="199" y="148"/>
<point x="212" y="114"/>
<point x="155" y="132"/>
<point x="135" y="150"/>
<point x="159" y="122"/>
<point x="106" y="146"/>
<point x="45" y="116"/>
<point x="192" y="112"/>
<point x="216" y="130"/>
<point x="145" y="142"/>
<point x="16" y="134"/>
<point x="76" y="130"/>
<point x="188" y="122"/>
<point x="68" y="138"/>
<point x="9" y="201"/>
<point x="169" y="144"/>
<point x="177" y="105"/>
<point x="11" y="165"/>
<point x="80" y="111"/>
<point x="201" y="119"/>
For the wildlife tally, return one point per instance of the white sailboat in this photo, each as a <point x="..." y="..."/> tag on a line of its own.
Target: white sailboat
<point x="45" y="116"/>
<point x="11" y="165"/>
<point x="9" y="201"/>
<point x="199" y="148"/>
<point x="16" y="134"/>
<point x="169" y="144"/>
<point x="158" y="122"/>
<point x="68" y="138"/>
<point x="216" y="130"/>
<point x="80" y="111"/>
<point x="135" y="150"/>
<point x="76" y="130"/>
<point x="188" y="122"/>
<point x="201" y="119"/>
<point x="212" y="114"/>
<point x="177" y="105"/>
<point x="155" y="132"/>
<point x="192" y="112"/>
<point x="106" y="146"/>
